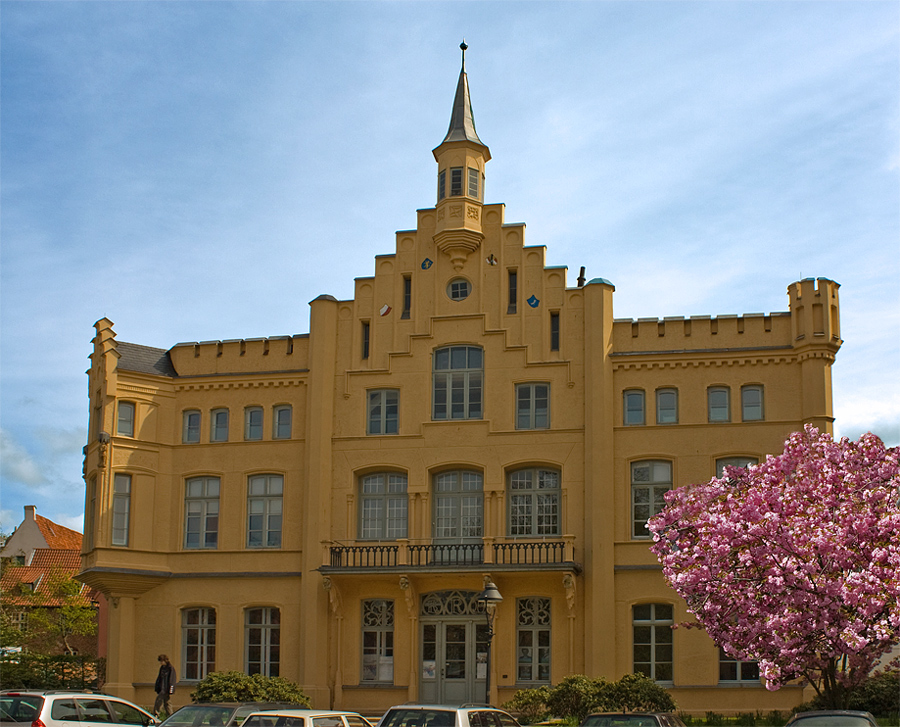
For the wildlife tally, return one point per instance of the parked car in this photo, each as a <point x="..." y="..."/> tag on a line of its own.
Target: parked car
<point x="59" y="708"/>
<point x="437" y="715"/>
<point x="632" y="719"/>
<point x="224" y="714"/>
<point x="832" y="718"/>
<point x="305" y="718"/>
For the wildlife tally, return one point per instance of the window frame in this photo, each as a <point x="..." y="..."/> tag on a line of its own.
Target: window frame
<point x="377" y="656"/>
<point x="738" y="461"/>
<point x="407" y="297"/>
<point x="204" y="509"/>
<point x="126" y="422"/>
<point x="382" y="414"/>
<point x="745" y="406"/>
<point x="554" y="331"/>
<point x="121" y="509"/>
<point x="529" y="417"/>
<point x="659" y="625"/>
<point x="456" y="181"/>
<point x="383" y="510"/>
<point x="718" y="412"/>
<point x="660" y="409"/>
<point x="457" y="513"/>
<point x="534" y="623"/>
<point x="268" y="506"/>
<point x="655" y="494"/>
<point x="473" y="181"/>
<point x="442" y="184"/>
<point x="190" y="430"/>
<point x="740" y="666"/>
<point x="216" y="429"/>
<point x="533" y="511"/>
<point x="468" y="380"/>
<point x="627" y="410"/>
<point x="205" y="628"/>
<point x="512" y="283"/>
<point x="266" y="636"/>
<point x="250" y="426"/>
<point x="459" y="289"/>
<point x="280" y="429"/>
<point x="366" y="339"/>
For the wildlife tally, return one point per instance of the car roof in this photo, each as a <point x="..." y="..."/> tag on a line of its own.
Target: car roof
<point x="303" y="712"/>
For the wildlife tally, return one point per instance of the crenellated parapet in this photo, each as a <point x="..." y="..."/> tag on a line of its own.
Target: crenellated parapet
<point x="815" y="313"/>
<point x="242" y="356"/>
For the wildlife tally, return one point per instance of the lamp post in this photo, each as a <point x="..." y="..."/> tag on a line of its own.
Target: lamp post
<point x="490" y="597"/>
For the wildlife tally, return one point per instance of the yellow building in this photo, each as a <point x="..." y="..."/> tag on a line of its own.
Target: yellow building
<point x="328" y="507"/>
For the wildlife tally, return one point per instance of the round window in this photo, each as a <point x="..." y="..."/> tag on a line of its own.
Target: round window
<point x="459" y="289"/>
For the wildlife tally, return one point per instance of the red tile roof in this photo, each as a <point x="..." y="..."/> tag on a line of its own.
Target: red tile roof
<point x="44" y="562"/>
<point x="58" y="536"/>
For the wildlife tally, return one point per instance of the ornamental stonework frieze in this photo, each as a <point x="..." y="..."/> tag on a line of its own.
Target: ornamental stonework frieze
<point x="709" y="363"/>
<point x="234" y="385"/>
<point x="472" y="212"/>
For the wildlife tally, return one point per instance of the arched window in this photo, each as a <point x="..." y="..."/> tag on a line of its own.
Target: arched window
<point x="752" y="403"/>
<point x="198" y="643"/>
<point x="718" y="399"/>
<point x="382" y="506"/>
<point x="534" y="502"/>
<point x="262" y="641"/>
<point x="650" y="480"/>
<point x="633" y="406"/>
<point x="125" y="419"/>
<point x="458" y="506"/>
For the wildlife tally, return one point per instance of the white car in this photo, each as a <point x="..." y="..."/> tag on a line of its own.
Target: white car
<point x="305" y="718"/>
<point x="59" y="708"/>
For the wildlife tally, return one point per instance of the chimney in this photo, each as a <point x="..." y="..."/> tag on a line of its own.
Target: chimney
<point x="29" y="512"/>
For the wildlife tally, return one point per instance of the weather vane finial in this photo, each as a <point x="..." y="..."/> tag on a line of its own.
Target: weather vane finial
<point x="463" y="47"/>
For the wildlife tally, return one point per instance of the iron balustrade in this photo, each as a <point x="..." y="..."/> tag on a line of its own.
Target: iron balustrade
<point x="431" y="555"/>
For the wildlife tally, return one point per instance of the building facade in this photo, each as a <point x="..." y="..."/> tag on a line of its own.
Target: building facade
<point x="328" y="507"/>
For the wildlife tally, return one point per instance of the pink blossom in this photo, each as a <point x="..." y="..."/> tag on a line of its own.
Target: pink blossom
<point x="794" y="562"/>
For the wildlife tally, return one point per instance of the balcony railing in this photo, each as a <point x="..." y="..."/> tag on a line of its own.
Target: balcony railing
<point x="403" y="553"/>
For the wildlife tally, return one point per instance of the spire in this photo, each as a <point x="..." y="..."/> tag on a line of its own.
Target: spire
<point x="462" y="123"/>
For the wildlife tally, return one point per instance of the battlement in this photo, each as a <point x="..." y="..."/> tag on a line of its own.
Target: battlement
<point x="238" y="356"/>
<point x="815" y="311"/>
<point x="698" y="333"/>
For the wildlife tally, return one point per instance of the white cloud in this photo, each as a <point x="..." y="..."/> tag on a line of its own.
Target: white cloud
<point x="17" y="465"/>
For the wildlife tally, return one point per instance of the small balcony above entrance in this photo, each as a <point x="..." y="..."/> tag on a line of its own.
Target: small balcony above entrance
<point x="405" y="555"/>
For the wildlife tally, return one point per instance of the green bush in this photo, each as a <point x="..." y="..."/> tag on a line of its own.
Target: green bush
<point x="37" y="671"/>
<point x="878" y="694"/>
<point x="576" y="696"/>
<point x="235" y="686"/>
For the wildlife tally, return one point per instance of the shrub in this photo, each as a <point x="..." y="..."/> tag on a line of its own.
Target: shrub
<point x="879" y="694"/>
<point x="575" y="696"/>
<point x="634" y="693"/>
<point x="530" y="705"/>
<point x="235" y="686"/>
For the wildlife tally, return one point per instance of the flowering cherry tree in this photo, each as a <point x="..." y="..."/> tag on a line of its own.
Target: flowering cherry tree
<point x="794" y="562"/>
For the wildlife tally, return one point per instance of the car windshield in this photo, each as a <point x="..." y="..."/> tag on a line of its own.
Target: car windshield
<point x="20" y="707"/>
<point x="205" y="716"/>
<point x="419" y="718"/>
<point x="832" y="720"/>
<point x="620" y="720"/>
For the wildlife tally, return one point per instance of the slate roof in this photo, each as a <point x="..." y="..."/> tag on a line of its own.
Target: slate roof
<point x="144" y="359"/>
<point x="44" y="562"/>
<point x="58" y="536"/>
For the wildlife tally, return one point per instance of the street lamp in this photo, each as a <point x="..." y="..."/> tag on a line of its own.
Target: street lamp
<point x="490" y="597"/>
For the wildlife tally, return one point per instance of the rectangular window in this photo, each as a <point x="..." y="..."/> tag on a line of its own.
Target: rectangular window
<point x="253" y="423"/>
<point x="90" y="513"/>
<point x="198" y="643"/>
<point x="724" y="462"/>
<point x="281" y="425"/>
<point x="264" y="507"/>
<point x="218" y="425"/>
<point x="191" y="430"/>
<point x="365" y="339"/>
<point x="383" y="506"/>
<point x="650" y="480"/>
<point x="718" y="401"/>
<point x="442" y="184"/>
<point x="513" y="285"/>
<point x="121" y="516"/>
<point x="262" y="639"/>
<point x="378" y="641"/>
<point x="532" y="406"/>
<point x="473" y="183"/>
<point x="125" y="419"/>
<point x="752" y="403"/>
<point x="407" y="297"/>
<point x="735" y="670"/>
<point x="554" y="331"/>
<point x="383" y="411"/>
<point x="633" y="406"/>
<point x="667" y="406"/>
<point x="456" y="182"/>
<point x="533" y="640"/>
<point x="201" y="513"/>
<point x="652" y="634"/>
<point x="457" y="383"/>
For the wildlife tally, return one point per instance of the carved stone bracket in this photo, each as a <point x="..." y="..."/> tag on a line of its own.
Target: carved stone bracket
<point x="569" y="585"/>
<point x="457" y="244"/>
<point x="334" y="595"/>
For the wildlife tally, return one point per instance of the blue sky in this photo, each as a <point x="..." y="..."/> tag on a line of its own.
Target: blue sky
<point x="202" y="170"/>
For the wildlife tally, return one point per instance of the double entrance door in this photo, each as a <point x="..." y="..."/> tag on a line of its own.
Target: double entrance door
<point x="454" y="660"/>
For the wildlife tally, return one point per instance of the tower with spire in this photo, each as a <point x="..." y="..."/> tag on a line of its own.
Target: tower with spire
<point x="461" y="159"/>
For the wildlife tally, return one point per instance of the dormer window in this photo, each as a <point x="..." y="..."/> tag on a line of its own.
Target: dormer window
<point x="473" y="183"/>
<point x="456" y="181"/>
